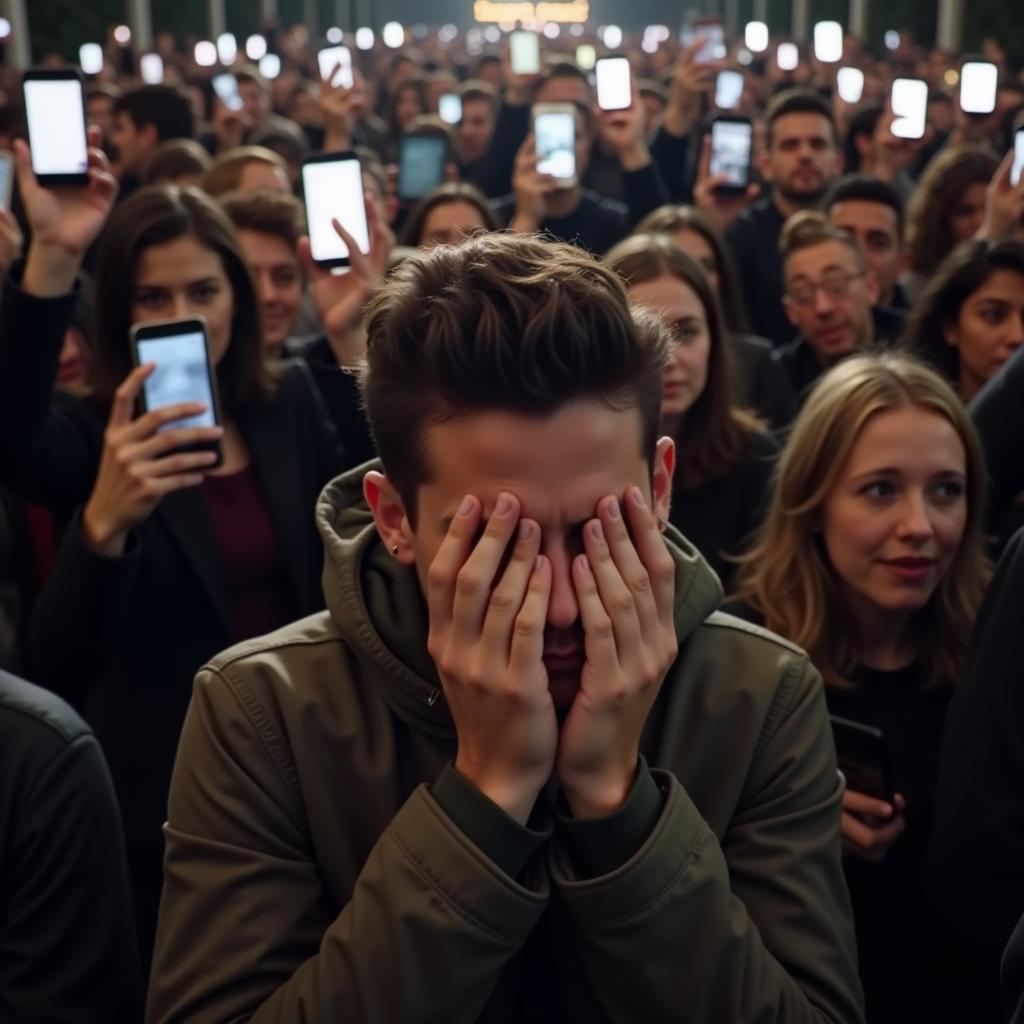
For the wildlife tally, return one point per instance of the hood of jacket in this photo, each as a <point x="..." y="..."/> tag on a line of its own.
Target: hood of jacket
<point x="380" y="612"/>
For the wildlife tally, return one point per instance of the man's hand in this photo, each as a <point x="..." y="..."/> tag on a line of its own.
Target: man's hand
<point x="625" y="584"/>
<point x="722" y="207"/>
<point x="870" y="826"/>
<point x="623" y="132"/>
<point x="487" y="640"/>
<point x="341" y="109"/>
<point x="518" y="88"/>
<point x="689" y="80"/>
<point x="11" y="241"/>
<point x="531" y="190"/>
<point x="1004" y="205"/>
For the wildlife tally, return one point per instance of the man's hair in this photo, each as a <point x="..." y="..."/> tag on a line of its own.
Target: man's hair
<point x="176" y="159"/>
<point x="797" y="101"/>
<point x="102" y="90"/>
<point x="863" y="123"/>
<point x="443" y="195"/>
<point x="501" y="323"/>
<point x="475" y="89"/>
<point x="808" y="228"/>
<point x="271" y="213"/>
<point x="649" y="87"/>
<point x="866" y="189"/>
<point x="252" y="75"/>
<point x="165" y="107"/>
<point x="225" y="175"/>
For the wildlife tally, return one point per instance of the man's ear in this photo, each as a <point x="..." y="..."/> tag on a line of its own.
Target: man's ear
<point x="150" y="135"/>
<point x="788" y="308"/>
<point x="950" y="334"/>
<point x="661" y="477"/>
<point x="764" y="164"/>
<point x="389" y="517"/>
<point x="873" y="286"/>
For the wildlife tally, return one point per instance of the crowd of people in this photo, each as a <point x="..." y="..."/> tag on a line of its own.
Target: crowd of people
<point x="496" y="664"/>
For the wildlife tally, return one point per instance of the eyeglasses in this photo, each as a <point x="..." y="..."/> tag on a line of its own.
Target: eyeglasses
<point x="835" y="285"/>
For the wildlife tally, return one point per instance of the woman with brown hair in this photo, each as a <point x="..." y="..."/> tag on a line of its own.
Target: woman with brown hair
<point x="871" y="558"/>
<point x="166" y="559"/>
<point x="448" y="215"/>
<point x="724" y="455"/>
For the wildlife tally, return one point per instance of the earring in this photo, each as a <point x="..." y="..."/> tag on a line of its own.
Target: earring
<point x="394" y="550"/>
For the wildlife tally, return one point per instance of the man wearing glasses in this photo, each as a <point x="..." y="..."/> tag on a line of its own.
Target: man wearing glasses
<point x="830" y="298"/>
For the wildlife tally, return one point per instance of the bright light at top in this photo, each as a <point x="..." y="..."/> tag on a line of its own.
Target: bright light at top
<point x="892" y="39"/>
<point x="205" y="53"/>
<point x="335" y="35"/>
<point x="612" y="37"/>
<point x="364" y="38"/>
<point x="270" y="66"/>
<point x="5" y="28"/>
<point x="649" y="44"/>
<point x="756" y="36"/>
<point x="552" y="30"/>
<point x="122" y="35"/>
<point x="227" y="48"/>
<point x="447" y="33"/>
<point x="256" y="47"/>
<point x="576" y="30"/>
<point x="492" y="34"/>
<point x="393" y="35"/>
<point x="90" y="56"/>
<point x="744" y="56"/>
<point x="951" y="77"/>
<point x="660" y="33"/>
<point x="420" y="31"/>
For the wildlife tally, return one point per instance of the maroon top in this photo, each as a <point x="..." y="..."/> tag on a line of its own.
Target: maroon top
<point x="254" y="576"/>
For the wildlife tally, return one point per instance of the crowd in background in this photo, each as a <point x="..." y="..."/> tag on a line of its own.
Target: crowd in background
<point x="845" y="378"/>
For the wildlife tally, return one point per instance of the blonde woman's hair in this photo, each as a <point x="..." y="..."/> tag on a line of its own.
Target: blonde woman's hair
<point x="787" y="577"/>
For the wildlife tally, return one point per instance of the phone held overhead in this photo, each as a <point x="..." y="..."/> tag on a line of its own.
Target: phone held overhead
<point x="54" y="103"/>
<point x="332" y="185"/>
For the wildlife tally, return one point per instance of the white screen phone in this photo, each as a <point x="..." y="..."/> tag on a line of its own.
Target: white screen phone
<point x="731" y="143"/>
<point x="614" y="89"/>
<point x="586" y="57"/>
<point x="183" y="370"/>
<point x="713" y="35"/>
<point x="226" y="88"/>
<point x="850" y="83"/>
<point x="728" y="90"/>
<point x="270" y="66"/>
<point x="979" y="81"/>
<point x="90" y="58"/>
<point x="554" y="134"/>
<point x="909" y="99"/>
<point x="6" y="180"/>
<point x="55" y="112"/>
<point x="333" y="188"/>
<point x="151" y="68"/>
<point x="1017" y="170"/>
<point x="524" y="52"/>
<point x="449" y="107"/>
<point x="828" y="42"/>
<point x="787" y="56"/>
<point x="339" y="57"/>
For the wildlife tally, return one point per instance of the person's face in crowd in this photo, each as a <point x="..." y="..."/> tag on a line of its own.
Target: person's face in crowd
<point x="679" y="306"/>
<point x="436" y="88"/>
<point x="304" y="108"/>
<point x="256" y="103"/>
<point x="407" y="106"/>
<point x="802" y="160"/>
<point x="404" y="69"/>
<point x="73" y="366"/>
<point x="134" y="144"/>
<point x="968" y="212"/>
<point x="829" y="298"/>
<point x="989" y="328"/>
<point x="895" y="517"/>
<point x="564" y="89"/>
<point x="198" y="103"/>
<point x="694" y="243"/>
<point x="185" y="278"/>
<point x="875" y="228"/>
<point x="941" y="116"/>
<point x="476" y="129"/>
<point x="1008" y="97"/>
<point x="99" y="110"/>
<point x="450" y="223"/>
<point x="275" y="268"/>
<point x="282" y="87"/>
<point x="654" y="107"/>
<point x="559" y="467"/>
<point x="490" y="72"/>
<point x="259" y="174"/>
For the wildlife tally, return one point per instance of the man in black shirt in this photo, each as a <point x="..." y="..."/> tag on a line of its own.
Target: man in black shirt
<point x="801" y="162"/>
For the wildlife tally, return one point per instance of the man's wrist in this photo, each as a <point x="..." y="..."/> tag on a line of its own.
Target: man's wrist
<point x="635" y="157"/>
<point x="50" y="270"/>
<point x="101" y="538"/>
<point x="515" y="797"/>
<point x="594" y="796"/>
<point x="524" y="223"/>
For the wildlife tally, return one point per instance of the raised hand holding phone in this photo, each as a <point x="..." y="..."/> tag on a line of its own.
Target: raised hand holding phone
<point x="870" y="826"/>
<point x="715" y="194"/>
<point x="690" y="78"/>
<point x="531" y="189"/>
<point x="1004" y="198"/>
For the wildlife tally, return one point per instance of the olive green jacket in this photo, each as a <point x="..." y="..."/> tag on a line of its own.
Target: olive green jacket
<point x="312" y="874"/>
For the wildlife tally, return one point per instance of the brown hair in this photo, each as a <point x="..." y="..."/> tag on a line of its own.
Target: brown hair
<point x="943" y="184"/>
<point x="443" y="195"/>
<point x="475" y="89"/>
<point x="154" y="216"/>
<point x="225" y="174"/>
<point x="174" y="159"/>
<point x="808" y="228"/>
<point x="272" y="213"/>
<point x="712" y="434"/>
<point x="788" y="578"/>
<point x="797" y="100"/>
<point x="501" y="322"/>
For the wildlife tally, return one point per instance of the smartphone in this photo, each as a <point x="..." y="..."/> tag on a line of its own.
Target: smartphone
<point x="828" y="42"/>
<point x="332" y="185"/>
<point x="151" y="67"/>
<point x="586" y="57"/>
<point x="787" y="56"/>
<point x="614" y="88"/>
<point x="226" y="87"/>
<point x="270" y="66"/>
<point x="863" y="756"/>
<point x="449" y="107"/>
<point x="731" y="146"/>
<point x="524" y="52"/>
<point x="339" y="57"/>
<point x="979" y="80"/>
<point x="728" y="90"/>
<point x="6" y="179"/>
<point x="421" y="160"/>
<point x="554" y="139"/>
<point x="1017" y="170"/>
<point x="850" y="83"/>
<point x="184" y="372"/>
<point x="55" y="112"/>
<point x="909" y="100"/>
<point x="713" y="34"/>
<point x="90" y="57"/>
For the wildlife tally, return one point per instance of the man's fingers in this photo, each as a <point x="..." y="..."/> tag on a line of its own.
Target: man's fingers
<point x="527" y="647"/>
<point x="450" y="557"/>
<point x="650" y="546"/>
<point x="123" y="406"/>
<point x="862" y="804"/>
<point x="149" y="423"/>
<point x="508" y="596"/>
<point x="598" y="629"/>
<point x="631" y="567"/>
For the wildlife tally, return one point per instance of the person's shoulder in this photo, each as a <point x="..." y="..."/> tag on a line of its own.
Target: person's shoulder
<point x="36" y="717"/>
<point x="760" y="444"/>
<point x="889" y="323"/>
<point x="737" y="622"/>
<point x="592" y="200"/>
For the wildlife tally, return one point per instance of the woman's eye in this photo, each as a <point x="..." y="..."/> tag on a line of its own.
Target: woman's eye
<point x="878" y="489"/>
<point x="949" y="491"/>
<point x="151" y="300"/>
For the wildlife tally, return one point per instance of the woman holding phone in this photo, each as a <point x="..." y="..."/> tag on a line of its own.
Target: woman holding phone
<point x="871" y="558"/>
<point x="169" y="556"/>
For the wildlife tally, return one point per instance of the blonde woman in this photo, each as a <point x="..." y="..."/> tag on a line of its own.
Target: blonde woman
<point x="871" y="558"/>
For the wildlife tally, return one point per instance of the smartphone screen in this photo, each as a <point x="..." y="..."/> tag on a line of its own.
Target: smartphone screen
<point x="449" y="107"/>
<point x="850" y="83"/>
<point x="730" y="152"/>
<point x="713" y="35"/>
<point x="270" y="66"/>
<point x="421" y="161"/>
<point x="614" y="91"/>
<point x="524" y="53"/>
<point x="90" y="58"/>
<point x="979" y="81"/>
<point x="333" y="188"/>
<point x="787" y="56"/>
<point x="1017" y="170"/>
<point x="226" y="88"/>
<point x="182" y="374"/>
<point x="330" y="58"/>
<point x="828" y="42"/>
<point x="554" y="133"/>
<point x="151" y="67"/>
<point x="909" y="99"/>
<point x="728" y="90"/>
<point x="586" y="57"/>
<point x="55" y="112"/>
<point x="863" y="757"/>
<point x="6" y="180"/>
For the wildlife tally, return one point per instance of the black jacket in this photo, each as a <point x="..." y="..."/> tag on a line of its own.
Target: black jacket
<point x="763" y="385"/>
<point x="977" y="859"/>
<point x="67" y="943"/>
<point x="1013" y="976"/>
